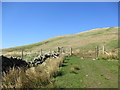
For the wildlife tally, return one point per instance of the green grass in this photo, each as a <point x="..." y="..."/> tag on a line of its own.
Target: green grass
<point x="30" y="57"/>
<point x="92" y="74"/>
<point x="112" y="44"/>
<point x="90" y="46"/>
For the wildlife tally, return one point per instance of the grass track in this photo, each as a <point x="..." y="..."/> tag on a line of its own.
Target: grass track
<point x="92" y="74"/>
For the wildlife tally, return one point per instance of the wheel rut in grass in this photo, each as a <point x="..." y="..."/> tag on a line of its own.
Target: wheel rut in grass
<point x="69" y="78"/>
<point x="90" y="74"/>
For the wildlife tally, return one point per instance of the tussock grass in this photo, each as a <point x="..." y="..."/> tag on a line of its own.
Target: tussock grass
<point x="53" y="64"/>
<point x="20" y="79"/>
<point x="34" y="77"/>
<point x="110" y="55"/>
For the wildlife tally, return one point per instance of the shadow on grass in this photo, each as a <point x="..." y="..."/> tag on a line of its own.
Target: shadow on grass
<point x="65" y="62"/>
<point x="63" y="65"/>
<point x="67" y="59"/>
<point x="74" y="72"/>
<point x="59" y="73"/>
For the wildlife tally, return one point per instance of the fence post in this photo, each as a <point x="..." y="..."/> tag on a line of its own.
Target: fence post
<point x="63" y="50"/>
<point x="58" y="49"/>
<point x="22" y="54"/>
<point x="40" y="51"/>
<point x="103" y="50"/>
<point x="70" y="51"/>
<point x="97" y="51"/>
<point x="50" y="51"/>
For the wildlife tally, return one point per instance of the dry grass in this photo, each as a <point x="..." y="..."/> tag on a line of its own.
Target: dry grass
<point x="53" y="64"/>
<point x="108" y="56"/>
<point x="35" y="77"/>
<point x="18" y="54"/>
<point x="14" y="54"/>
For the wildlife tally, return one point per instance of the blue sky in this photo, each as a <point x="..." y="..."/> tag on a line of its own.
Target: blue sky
<point x="30" y="22"/>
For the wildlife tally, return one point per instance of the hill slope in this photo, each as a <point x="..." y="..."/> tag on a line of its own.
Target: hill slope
<point x="87" y="40"/>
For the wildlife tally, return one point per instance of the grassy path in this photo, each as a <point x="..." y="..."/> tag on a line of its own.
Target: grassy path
<point x="92" y="74"/>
